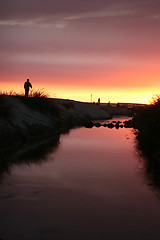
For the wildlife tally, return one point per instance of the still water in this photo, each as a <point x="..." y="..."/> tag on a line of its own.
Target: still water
<point x="92" y="185"/>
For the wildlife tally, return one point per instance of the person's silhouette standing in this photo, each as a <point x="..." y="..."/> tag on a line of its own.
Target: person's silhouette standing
<point x="27" y="85"/>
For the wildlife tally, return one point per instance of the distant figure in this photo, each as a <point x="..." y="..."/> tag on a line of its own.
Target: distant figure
<point x="27" y="85"/>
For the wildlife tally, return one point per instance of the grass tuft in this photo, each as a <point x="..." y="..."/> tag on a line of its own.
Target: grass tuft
<point x="38" y="94"/>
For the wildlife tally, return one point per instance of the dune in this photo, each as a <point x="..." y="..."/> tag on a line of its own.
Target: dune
<point x="24" y="119"/>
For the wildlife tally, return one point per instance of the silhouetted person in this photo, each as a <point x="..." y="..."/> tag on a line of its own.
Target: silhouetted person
<point x="118" y="105"/>
<point x="27" y="85"/>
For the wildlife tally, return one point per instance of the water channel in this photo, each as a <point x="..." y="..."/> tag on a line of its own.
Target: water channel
<point x="91" y="184"/>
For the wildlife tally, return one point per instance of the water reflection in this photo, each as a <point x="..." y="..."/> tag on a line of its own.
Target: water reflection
<point x="33" y="152"/>
<point x="37" y="152"/>
<point x="91" y="189"/>
<point x="151" y="164"/>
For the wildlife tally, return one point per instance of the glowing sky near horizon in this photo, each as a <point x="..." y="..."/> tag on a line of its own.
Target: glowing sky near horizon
<point x="73" y="48"/>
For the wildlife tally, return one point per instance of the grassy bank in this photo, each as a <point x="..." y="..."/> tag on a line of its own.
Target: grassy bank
<point x="147" y="121"/>
<point x="25" y="119"/>
<point x="37" y="100"/>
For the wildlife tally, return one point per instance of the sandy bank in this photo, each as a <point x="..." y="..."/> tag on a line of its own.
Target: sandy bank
<point x="25" y="119"/>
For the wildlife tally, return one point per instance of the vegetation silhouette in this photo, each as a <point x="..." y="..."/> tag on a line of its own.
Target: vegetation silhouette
<point x="147" y="123"/>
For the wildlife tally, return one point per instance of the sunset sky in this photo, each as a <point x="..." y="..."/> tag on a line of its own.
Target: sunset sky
<point x="75" y="48"/>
